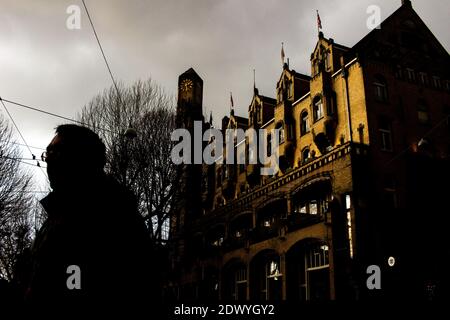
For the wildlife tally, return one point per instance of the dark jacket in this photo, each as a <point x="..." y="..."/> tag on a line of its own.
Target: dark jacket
<point x="97" y="228"/>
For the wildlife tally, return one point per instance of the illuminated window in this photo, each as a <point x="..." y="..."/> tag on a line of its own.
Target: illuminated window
<point x="349" y="224"/>
<point x="422" y="112"/>
<point x="306" y="156"/>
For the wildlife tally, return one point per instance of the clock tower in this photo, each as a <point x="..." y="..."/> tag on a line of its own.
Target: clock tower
<point x="187" y="201"/>
<point x="190" y="99"/>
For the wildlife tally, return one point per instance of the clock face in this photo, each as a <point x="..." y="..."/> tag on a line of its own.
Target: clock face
<point x="186" y="85"/>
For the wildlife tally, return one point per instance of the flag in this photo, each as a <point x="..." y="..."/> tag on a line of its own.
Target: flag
<point x="282" y="53"/>
<point x="319" y="22"/>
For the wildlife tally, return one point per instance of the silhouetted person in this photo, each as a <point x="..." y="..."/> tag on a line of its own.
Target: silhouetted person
<point x="93" y="224"/>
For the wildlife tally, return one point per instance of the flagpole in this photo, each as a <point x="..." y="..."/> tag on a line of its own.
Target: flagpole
<point x="318" y="30"/>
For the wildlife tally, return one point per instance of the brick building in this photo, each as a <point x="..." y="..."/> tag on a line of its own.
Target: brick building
<point x="364" y="164"/>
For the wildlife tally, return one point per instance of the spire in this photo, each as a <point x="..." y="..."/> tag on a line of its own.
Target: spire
<point x="210" y="119"/>
<point x="254" y="80"/>
<point x="282" y="53"/>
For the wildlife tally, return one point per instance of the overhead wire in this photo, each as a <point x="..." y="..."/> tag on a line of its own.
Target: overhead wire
<point x="24" y="141"/>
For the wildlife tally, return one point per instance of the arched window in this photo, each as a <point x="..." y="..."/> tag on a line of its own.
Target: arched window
<point x="380" y="88"/>
<point x="317" y="108"/>
<point x="304" y="123"/>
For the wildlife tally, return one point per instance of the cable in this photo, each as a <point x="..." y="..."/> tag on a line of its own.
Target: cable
<point x="101" y="49"/>
<point x="21" y="144"/>
<point x="23" y="139"/>
<point x="52" y="114"/>
<point x="30" y="164"/>
<point x="30" y="191"/>
<point x="17" y="128"/>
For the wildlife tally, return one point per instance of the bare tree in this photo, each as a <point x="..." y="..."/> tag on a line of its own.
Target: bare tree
<point x="135" y="124"/>
<point x="16" y="204"/>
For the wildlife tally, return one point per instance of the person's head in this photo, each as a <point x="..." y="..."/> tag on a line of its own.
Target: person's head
<point x="75" y="155"/>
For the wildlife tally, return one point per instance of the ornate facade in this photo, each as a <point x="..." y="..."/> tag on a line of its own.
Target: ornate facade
<point x="364" y="161"/>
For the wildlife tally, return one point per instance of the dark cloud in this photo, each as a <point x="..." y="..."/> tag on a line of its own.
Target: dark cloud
<point x="44" y="64"/>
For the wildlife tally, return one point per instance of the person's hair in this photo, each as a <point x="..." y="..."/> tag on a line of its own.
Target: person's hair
<point x="85" y="143"/>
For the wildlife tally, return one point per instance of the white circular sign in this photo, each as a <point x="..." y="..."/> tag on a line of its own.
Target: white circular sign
<point x="391" y="261"/>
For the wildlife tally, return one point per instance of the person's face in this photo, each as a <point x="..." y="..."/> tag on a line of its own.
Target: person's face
<point x="59" y="169"/>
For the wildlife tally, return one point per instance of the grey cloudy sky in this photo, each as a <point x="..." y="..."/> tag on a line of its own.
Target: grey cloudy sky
<point x="44" y="64"/>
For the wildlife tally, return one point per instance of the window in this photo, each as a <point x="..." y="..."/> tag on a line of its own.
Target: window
<point x="317" y="257"/>
<point x="423" y="78"/>
<point x="304" y="123"/>
<point x="312" y="206"/>
<point x="273" y="268"/>
<point x="281" y="137"/>
<point x="348" y="206"/>
<point x="437" y="82"/>
<point x="317" y="108"/>
<point x="399" y="72"/>
<point x="240" y="284"/>
<point x="331" y="106"/>
<point x="422" y="112"/>
<point x="217" y="242"/>
<point x="390" y="193"/>
<point x="327" y="61"/>
<point x="269" y="145"/>
<point x="380" y="88"/>
<point x="411" y="75"/>
<point x="384" y="128"/>
<point x="305" y="155"/>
